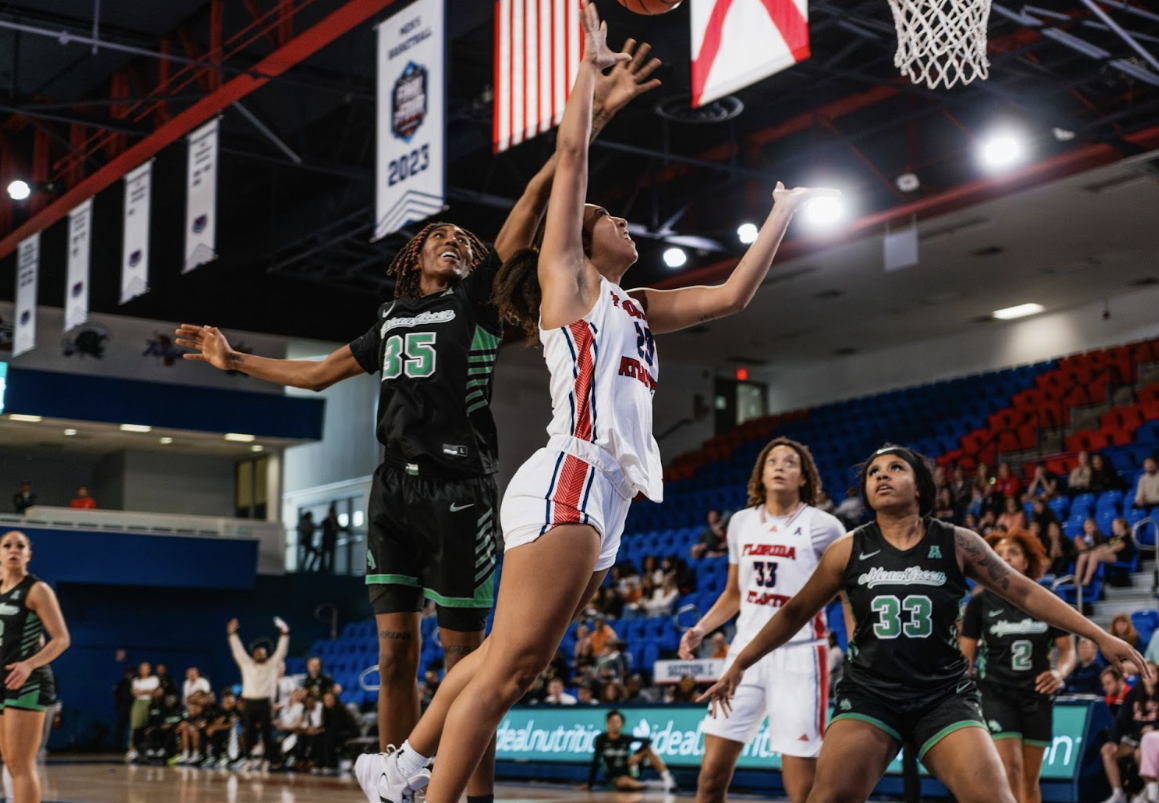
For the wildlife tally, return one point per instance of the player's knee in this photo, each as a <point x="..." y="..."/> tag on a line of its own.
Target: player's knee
<point x="1109" y="749"/>
<point x="520" y="673"/>
<point x="397" y="663"/>
<point x="712" y="783"/>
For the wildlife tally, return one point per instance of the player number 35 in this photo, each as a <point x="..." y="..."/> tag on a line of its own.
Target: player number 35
<point x="409" y="164"/>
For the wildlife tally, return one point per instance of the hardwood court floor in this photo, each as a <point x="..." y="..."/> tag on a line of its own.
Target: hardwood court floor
<point x="90" y="781"/>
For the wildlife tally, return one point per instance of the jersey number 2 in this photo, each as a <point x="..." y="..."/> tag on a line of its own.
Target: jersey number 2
<point x="889" y="624"/>
<point x="415" y="357"/>
<point x="1020" y="652"/>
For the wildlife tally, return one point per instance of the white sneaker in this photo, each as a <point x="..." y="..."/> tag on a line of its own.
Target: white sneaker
<point x="1118" y="796"/>
<point x="383" y="782"/>
<point x="1141" y="798"/>
<point x="669" y="782"/>
<point x="132" y="755"/>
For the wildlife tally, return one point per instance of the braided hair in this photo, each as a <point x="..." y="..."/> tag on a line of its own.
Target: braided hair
<point x="406" y="269"/>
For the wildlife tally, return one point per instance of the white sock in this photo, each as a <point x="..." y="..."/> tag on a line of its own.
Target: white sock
<point x="1152" y="791"/>
<point x="410" y="761"/>
<point x="9" y="793"/>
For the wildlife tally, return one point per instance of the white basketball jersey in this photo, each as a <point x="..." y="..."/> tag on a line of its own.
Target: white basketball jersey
<point x="774" y="556"/>
<point x="603" y="376"/>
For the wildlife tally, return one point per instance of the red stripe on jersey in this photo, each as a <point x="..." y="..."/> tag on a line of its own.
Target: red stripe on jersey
<point x="819" y="626"/>
<point x="823" y="709"/>
<point x="568" y="489"/>
<point x="582" y="336"/>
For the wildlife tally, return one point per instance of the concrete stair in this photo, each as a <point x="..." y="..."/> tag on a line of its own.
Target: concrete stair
<point x="1138" y="596"/>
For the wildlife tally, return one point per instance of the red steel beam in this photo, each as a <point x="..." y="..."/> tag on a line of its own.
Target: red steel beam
<point x="1067" y="164"/>
<point x="293" y="52"/>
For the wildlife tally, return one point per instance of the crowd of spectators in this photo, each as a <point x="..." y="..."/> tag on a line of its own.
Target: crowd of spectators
<point x="194" y="725"/>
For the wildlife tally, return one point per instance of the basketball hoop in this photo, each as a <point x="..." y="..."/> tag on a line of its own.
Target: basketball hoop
<point x="941" y="43"/>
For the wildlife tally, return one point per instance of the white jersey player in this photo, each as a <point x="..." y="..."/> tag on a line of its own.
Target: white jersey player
<point x="774" y="545"/>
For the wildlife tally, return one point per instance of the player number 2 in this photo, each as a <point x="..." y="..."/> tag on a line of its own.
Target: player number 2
<point x="889" y="609"/>
<point x="414" y="356"/>
<point x="1020" y="655"/>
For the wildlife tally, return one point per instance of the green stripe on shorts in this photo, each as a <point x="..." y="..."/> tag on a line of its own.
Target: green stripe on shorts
<point x="946" y="731"/>
<point x="877" y="723"/>
<point x="484" y="597"/>
<point x="393" y="580"/>
<point x="28" y="701"/>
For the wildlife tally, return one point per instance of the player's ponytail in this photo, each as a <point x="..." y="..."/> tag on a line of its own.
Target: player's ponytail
<point x="516" y="292"/>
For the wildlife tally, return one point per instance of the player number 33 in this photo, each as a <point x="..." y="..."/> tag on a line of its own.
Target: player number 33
<point x="889" y="609"/>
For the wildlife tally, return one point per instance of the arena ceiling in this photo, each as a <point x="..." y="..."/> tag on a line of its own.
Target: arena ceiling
<point x="296" y="189"/>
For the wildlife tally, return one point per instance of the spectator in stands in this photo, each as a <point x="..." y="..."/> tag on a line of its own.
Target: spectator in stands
<point x="1086" y="677"/>
<point x="601" y="634"/>
<point x="535" y="693"/>
<point x="1115" y="688"/>
<point x="1122" y="627"/>
<point x="1007" y="482"/>
<point x="684" y="574"/>
<point x="683" y="691"/>
<point x="945" y="508"/>
<point x="983" y="482"/>
<point x="1105" y="550"/>
<point x="712" y="540"/>
<point x="1147" y="488"/>
<point x="82" y="500"/>
<point x="824" y="503"/>
<point x="144" y="685"/>
<point x="1103" y="475"/>
<point x="1138" y="714"/>
<point x="1013" y="516"/>
<point x="651" y="570"/>
<point x="429" y="688"/>
<point x="631" y="595"/>
<point x="636" y="692"/>
<point x="308" y="557"/>
<point x="1090" y="537"/>
<point x="123" y="703"/>
<point x="940" y="478"/>
<point x="612" y="693"/>
<point x="960" y="488"/>
<point x="1149" y="765"/>
<point x="850" y="511"/>
<point x="293" y="722"/>
<point x="583" y="643"/>
<point x="663" y="598"/>
<point x="1059" y="549"/>
<point x="338" y="727"/>
<point x="1079" y="480"/>
<point x="23" y="498"/>
<point x="970" y="521"/>
<point x="719" y="645"/>
<point x="283" y="689"/>
<point x="315" y="677"/>
<point x="168" y="684"/>
<point x="608" y="602"/>
<point x="1041" y="514"/>
<point x="1044" y="484"/>
<point x="1153" y="648"/>
<point x="219" y="728"/>
<point x="258" y="678"/>
<point x="194" y="684"/>
<point x="614" y="662"/>
<point x="583" y="695"/>
<point x="330" y="530"/>
<point x="557" y="694"/>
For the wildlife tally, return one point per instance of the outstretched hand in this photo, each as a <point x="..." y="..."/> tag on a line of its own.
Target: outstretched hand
<point x="1120" y="653"/>
<point x="231" y="626"/>
<point x="596" y="51"/>
<point x="722" y="692"/>
<point x="627" y="80"/>
<point x="210" y="344"/>
<point x="799" y="196"/>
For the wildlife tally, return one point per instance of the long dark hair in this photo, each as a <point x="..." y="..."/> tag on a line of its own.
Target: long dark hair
<point x="809" y="491"/>
<point x="923" y="476"/>
<point x="516" y="291"/>
<point x="405" y="266"/>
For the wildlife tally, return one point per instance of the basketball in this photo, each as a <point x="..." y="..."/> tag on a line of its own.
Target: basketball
<point x="649" y="7"/>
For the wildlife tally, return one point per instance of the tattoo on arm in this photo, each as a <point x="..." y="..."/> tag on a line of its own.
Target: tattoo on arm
<point x="401" y="635"/>
<point x="982" y="558"/>
<point x="458" y="649"/>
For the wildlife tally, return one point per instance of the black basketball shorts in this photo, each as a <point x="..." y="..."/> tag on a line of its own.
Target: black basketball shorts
<point x="1014" y="714"/>
<point x="436" y="538"/>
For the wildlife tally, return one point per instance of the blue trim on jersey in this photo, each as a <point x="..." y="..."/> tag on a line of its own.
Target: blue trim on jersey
<point x="592" y="389"/>
<point x="574" y="373"/>
<point x="550" y="491"/>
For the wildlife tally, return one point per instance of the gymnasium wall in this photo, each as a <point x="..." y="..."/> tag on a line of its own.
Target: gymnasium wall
<point x="55" y="475"/>
<point x="988" y="347"/>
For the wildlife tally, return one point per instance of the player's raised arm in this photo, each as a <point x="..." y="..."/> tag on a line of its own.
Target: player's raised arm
<point x="568" y="286"/>
<point x="671" y="310"/>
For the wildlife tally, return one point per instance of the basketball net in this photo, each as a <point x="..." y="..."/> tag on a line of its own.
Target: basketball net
<point x="941" y="43"/>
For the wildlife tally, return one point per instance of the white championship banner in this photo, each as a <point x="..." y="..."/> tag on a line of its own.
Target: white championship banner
<point x="739" y="42"/>
<point x="76" y="289"/>
<point x="135" y="248"/>
<point x="410" y="171"/>
<point x="201" y="197"/>
<point x="705" y="670"/>
<point x="27" y="268"/>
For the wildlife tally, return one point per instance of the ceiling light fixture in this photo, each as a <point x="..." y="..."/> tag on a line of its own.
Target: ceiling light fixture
<point x="257" y="447"/>
<point x="18" y="190"/>
<point x="166" y="439"/>
<point x="1002" y="150"/>
<point x="675" y="257"/>
<point x="69" y="432"/>
<point x="1019" y="311"/>
<point x="825" y="211"/>
<point x="747" y="233"/>
<point x="239" y="437"/>
<point x="135" y="428"/>
<point x="30" y="419"/>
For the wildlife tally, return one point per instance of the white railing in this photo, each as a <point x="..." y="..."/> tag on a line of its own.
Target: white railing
<point x="268" y="534"/>
<point x="1066" y="582"/>
<point x="1151" y="547"/>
